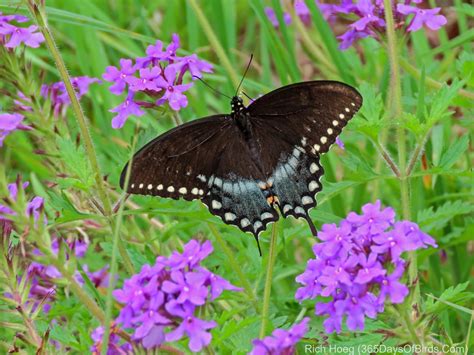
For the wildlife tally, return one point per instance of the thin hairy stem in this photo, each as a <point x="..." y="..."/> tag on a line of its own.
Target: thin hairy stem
<point x="268" y="282"/>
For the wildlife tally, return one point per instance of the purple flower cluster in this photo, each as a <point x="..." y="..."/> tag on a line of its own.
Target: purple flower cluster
<point x="159" y="76"/>
<point x="33" y="208"/>
<point x="58" y="95"/>
<point x="301" y="10"/>
<point x="161" y="301"/>
<point x="282" y="341"/>
<point x="12" y="36"/>
<point x="371" y="18"/>
<point x="10" y="122"/>
<point x="358" y="265"/>
<point x="115" y="347"/>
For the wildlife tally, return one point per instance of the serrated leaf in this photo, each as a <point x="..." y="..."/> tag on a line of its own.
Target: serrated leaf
<point x="411" y="122"/>
<point x="454" y="294"/>
<point x="372" y="112"/>
<point x="429" y="220"/>
<point x="452" y="154"/>
<point x="76" y="162"/>
<point x="441" y="101"/>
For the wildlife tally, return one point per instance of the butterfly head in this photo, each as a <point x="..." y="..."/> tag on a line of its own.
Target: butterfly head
<point x="237" y="104"/>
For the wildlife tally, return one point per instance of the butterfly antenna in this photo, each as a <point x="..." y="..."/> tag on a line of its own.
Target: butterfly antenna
<point x="258" y="245"/>
<point x="243" y="77"/>
<point x="210" y="87"/>
<point x="247" y="96"/>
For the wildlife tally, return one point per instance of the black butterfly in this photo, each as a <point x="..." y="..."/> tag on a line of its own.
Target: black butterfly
<point x="244" y="164"/>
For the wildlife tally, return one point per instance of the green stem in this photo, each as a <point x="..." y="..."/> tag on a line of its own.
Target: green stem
<point x="211" y="36"/>
<point x="116" y="246"/>
<point x="268" y="282"/>
<point x="236" y="267"/>
<point x="396" y="111"/>
<point x="38" y="13"/>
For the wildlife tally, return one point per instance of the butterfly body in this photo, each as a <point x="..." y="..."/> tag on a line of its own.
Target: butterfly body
<point x="248" y="164"/>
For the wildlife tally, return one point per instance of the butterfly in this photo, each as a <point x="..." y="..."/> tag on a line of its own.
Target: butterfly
<point x="248" y="165"/>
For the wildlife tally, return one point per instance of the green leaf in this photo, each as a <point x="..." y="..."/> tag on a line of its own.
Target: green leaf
<point x="442" y="100"/>
<point x="429" y="220"/>
<point x="454" y="294"/>
<point x="76" y="162"/>
<point x="452" y="154"/>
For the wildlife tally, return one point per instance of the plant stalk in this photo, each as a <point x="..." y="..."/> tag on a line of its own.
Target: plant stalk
<point x="396" y="111"/>
<point x="38" y="13"/>
<point x="268" y="282"/>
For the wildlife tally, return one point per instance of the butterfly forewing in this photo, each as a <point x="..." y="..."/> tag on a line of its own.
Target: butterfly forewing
<point x="311" y="114"/>
<point x="172" y="165"/>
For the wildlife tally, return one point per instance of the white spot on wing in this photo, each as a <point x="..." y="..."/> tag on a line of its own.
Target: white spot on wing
<point x="229" y="217"/>
<point x="317" y="147"/>
<point x="218" y="182"/>
<point x="201" y="192"/>
<point x="150" y="186"/>
<point x="347" y="109"/>
<point x="170" y="189"/>
<point x="313" y="185"/>
<point x="183" y="190"/>
<point x="201" y="177"/>
<point x="330" y="131"/>
<point x="266" y="215"/>
<point x="194" y="191"/>
<point x="300" y="210"/>
<point x="353" y="104"/>
<point x="140" y="186"/>
<point x="216" y="205"/>
<point x="286" y="208"/>
<point x="245" y="222"/>
<point x="307" y="200"/>
<point x="257" y="225"/>
<point x="324" y="139"/>
<point x="341" y="116"/>
<point x="159" y="187"/>
<point x="335" y="123"/>
<point x="313" y="168"/>
<point x="304" y="140"/>
<point x="132" y="186"/>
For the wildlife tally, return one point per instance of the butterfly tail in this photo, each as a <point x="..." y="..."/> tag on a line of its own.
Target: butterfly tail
<point x="314" y="231"/>
<point x="258" y="245"/>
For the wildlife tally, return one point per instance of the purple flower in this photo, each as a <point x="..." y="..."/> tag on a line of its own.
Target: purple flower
<point x="35" y="207"/>
<point x="194" y="65"/>
<point x="352" y="263"/>
<point x="391" y="286"/>
<point x="193" y="254"/>
<point x="161" y="301"/>
<point x="281" y="341"/>
<point x="368" y="16"/>
<point x="156" y="54"/>
<point x="173" y="92"/>
<point x="119" y="76"/>
<point x="146" y="81"/>
<point x="303" y="12"/>
<point x="188" y="287"/>
<point x="58" y="95"/>
<point x="114" y="346"/>
<point x="423" y="17"/>
<point x="14" y="36"/>
<point x="126" y="109"/>
<point x="10" y="122"/>
<point x="196" y="330"/>
<point x="352" y="35"/>
<point x="271" y="15"/>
